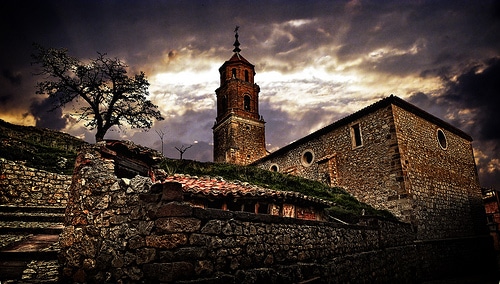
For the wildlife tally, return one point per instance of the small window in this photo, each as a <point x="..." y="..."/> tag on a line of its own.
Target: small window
<point x="234" y="73"/>
<point x="262" y="208"/>
<point x="246" y="76"/>
<point x="274" y="168"/>
<point x="224" y="103"/>
<point x="356" y="135"/>
<point x="307" y="158"/>
<point x="246" y="103"/>
<point x="442" y="139"/>
<point x="223" y="76"/>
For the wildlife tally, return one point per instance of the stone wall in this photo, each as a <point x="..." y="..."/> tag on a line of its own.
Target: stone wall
<point x="134" y="230"/>
<point x="370" y="172"/>
<point x="399" y="165"/>
<point x="239" y="140"/>
<point x="21" y="185"/>
<point x="441" y="178"/>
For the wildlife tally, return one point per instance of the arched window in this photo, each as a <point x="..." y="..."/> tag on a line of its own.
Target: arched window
<point x="246" y="75"/>
<point x="246" y="103"/>
<point x="234" y="73"/>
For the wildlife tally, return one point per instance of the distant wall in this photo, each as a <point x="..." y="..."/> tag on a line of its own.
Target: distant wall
<point x="122" y="230"/>
<point x="21" y="185"/>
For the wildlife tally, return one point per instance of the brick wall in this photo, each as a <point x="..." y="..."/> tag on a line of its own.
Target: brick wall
<point x="21" y="185"/>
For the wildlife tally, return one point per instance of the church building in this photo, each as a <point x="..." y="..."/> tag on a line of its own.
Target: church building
<point x="390" y="155"/>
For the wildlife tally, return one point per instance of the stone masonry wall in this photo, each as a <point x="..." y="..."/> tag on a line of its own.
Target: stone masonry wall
<point x="372" y="172"/>
<point x="442" y="181"/>
<point x="21" y="185"/>
<point x="121" y="230"/>
<point x="401" y="167"/>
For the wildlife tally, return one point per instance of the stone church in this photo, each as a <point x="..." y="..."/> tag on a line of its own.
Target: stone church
<point x="391" y="155"/>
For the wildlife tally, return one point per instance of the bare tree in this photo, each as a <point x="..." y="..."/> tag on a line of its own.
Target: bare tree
<point x="102" y="91"/>
<point x="182" y="149"/>
<point x="161" y="134"/>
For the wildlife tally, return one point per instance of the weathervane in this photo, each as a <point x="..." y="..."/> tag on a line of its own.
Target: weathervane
<point x="236" y="42"/>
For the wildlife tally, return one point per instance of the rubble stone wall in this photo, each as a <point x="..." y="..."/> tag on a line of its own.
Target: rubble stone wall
<point x="121" y="230"/>
<point x="21" y="185"/>
<point x="370" y="172"/>
<point x="440" y="175"/>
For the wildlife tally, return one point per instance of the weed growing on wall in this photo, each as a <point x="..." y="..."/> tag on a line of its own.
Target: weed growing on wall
<point x="347" y="207"/>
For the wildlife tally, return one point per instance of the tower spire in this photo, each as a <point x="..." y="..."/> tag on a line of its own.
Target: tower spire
<point x="236" y="42"/>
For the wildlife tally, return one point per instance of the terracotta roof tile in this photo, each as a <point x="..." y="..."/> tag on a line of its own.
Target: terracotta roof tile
<point x="210" y="186"/>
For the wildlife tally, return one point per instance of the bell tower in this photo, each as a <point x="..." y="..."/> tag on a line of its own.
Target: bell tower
<point x="239" y="133"/>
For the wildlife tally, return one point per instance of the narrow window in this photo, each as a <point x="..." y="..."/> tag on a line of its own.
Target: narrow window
<point x="224" y="104"/>
<point x="246" y="103"/>
<point x="246" y="75"/>
<point x="223" y="77"/>
<point x="356" y="135"/>
<point x="234" y="73"/>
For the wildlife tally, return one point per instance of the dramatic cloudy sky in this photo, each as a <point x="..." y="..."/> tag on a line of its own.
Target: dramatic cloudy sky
<point x="316" y="62"/>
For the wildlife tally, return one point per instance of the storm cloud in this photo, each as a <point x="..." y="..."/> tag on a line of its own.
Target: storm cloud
<point x="316" y="62"/>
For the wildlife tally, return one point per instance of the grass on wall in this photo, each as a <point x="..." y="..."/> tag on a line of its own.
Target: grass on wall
<point x="347" y="208"/>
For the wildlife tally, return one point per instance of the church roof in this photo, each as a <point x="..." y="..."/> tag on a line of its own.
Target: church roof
<point x="394" y="100"/>
<point x="220" y="188"/>
<point x="236" y="56"/>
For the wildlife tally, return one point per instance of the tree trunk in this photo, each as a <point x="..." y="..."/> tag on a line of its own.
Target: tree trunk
<point x="99" y="136"/>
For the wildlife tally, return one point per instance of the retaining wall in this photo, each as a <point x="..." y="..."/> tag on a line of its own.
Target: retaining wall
<point x="21" y="185"/>
<point x="122" y="230"/>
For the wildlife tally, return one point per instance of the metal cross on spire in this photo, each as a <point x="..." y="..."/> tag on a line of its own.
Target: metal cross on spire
<point x="236" y="42"/>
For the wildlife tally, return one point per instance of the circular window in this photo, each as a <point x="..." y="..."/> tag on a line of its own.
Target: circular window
<point x="307" y="158"/>
<point x="442" y="139"/>
<point x="274" y="168"/>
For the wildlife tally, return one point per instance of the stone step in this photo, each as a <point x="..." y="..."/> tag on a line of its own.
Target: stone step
<point x="36" y="209"/>
<point x="25" y="251"/>
<point x="32" y="217"/>
<point x="20" y="227"/>
<point x="31" y="220"/>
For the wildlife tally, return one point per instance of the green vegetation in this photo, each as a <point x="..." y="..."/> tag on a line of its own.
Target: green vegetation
<point x="56" y="152"/>
<point x="39" y="148"/>
<point x="347" y="208"/>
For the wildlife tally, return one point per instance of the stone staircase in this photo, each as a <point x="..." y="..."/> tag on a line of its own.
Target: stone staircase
<point x="29" y="243"/>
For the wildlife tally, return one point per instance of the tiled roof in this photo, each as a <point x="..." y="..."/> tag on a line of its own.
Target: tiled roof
<point x="218" y="187"/>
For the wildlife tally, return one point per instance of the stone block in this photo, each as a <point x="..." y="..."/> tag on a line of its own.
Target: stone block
<point x="172" y="191"/>
<point x="212" y="227"/>
<point x="167" y="272"/>
<point x="190" y="253"/>
<point x="145" y="255"/>
<point x="177" y="224"/>
<point x="174" y="209"/>
<point x="167" y="241"/>
<point x="149" y="198"/>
